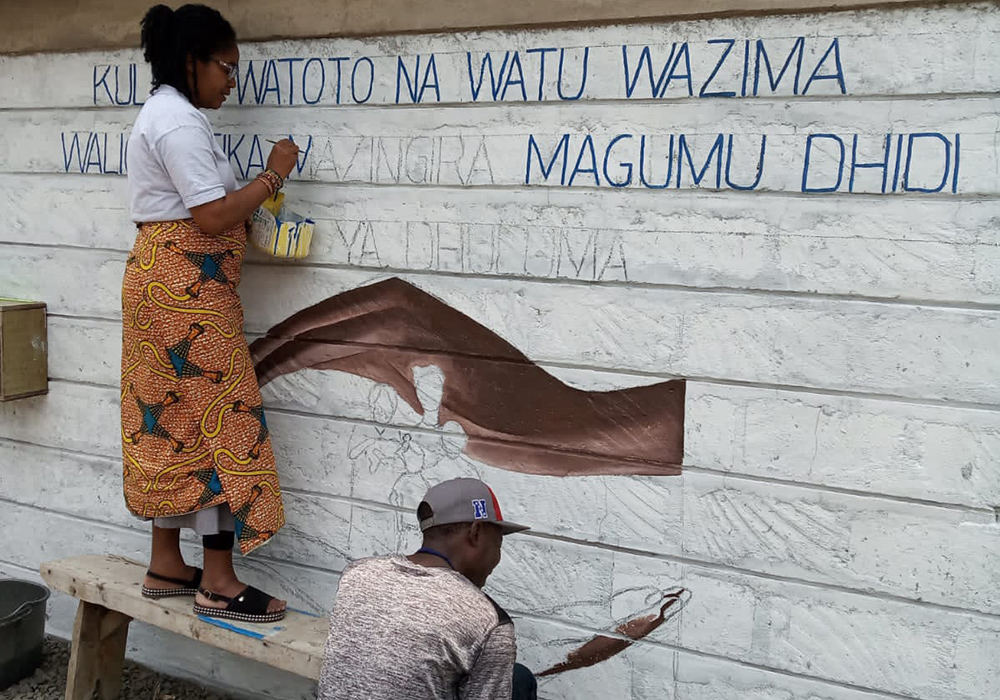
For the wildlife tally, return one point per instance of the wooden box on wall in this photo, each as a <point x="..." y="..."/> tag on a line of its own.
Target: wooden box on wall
<point x="24" y="367"/>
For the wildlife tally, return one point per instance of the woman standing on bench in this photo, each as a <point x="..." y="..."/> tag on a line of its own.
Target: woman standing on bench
<point x="194" y="438"/>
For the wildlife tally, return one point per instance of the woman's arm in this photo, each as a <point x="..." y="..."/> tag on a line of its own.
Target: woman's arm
<point x="222" y="214"/>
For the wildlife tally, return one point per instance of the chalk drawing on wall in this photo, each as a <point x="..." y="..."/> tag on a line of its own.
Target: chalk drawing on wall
<point x="516" y="415"/>
<point x="602" y="647"/>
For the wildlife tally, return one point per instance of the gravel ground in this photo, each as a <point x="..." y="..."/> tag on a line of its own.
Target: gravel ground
<point x="139" y="683"/>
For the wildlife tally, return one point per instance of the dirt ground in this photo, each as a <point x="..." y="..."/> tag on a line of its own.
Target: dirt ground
<point x="139" y="683"/>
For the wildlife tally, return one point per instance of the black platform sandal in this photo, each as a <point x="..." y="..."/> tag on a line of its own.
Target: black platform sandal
<point x="187" y="587"/>
<point x="249" y="606"/>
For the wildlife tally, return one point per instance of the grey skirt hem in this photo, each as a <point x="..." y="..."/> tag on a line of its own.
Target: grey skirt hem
<point x="208" y="521"/>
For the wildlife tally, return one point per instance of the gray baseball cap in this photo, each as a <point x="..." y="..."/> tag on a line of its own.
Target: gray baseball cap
<point x="465" y="501"/>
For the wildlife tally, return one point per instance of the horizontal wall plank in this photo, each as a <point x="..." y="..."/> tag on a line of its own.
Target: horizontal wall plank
<point x="835" y="539"/>
<point x="933" y="453"/>
<point x="908" y="351"/>
<point x="829" y="635"/>
<point x="948" y="251"/>
<point x="69" y="482"/>
<point x="811" y="145"/>
<point x="929" y="453"/>
<point x="883" y="52"/>
<point x="915" y="352"/>
<point x="70" y="281"/>
<point x="707" y="679"/>
<point x="843" y="540"/>
<point x="73" y="417"/>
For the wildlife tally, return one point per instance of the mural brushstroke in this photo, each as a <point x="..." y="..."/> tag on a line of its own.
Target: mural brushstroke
<point x="516" y="415"/>
<point x="601" y="648"/>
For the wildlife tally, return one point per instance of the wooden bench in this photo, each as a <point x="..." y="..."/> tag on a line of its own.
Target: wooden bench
<point x="109" y="589"/>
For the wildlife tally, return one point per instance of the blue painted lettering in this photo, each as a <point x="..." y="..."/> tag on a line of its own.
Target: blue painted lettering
<point x="561" y="152"/>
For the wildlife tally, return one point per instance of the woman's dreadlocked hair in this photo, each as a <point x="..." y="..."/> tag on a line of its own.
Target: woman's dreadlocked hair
<point x="170" y="36"/>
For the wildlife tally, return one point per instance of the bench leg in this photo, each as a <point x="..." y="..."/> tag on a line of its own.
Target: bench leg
<point x="95" y="660"/>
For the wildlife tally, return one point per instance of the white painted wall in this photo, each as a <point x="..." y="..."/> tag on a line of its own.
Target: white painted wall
<point x="837" y="519"/>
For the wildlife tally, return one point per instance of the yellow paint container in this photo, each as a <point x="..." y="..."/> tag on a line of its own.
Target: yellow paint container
<point x="280" y="232"/>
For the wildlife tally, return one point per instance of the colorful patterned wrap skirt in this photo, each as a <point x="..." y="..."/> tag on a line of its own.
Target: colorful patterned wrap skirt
<point x="194" y="434"/>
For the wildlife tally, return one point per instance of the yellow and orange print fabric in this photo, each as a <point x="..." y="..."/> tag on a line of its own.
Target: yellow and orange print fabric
<point x="194" y="434"/>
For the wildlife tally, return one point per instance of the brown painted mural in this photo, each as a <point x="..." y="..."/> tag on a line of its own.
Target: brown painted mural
<point x="516" y="415"/>
<point x="602" y="647"/>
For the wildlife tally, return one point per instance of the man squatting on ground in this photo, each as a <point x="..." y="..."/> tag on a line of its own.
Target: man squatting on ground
<point x="420" y="627"/>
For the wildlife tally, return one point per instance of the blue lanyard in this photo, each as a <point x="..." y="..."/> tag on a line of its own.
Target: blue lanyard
<point x="435" y="553"/>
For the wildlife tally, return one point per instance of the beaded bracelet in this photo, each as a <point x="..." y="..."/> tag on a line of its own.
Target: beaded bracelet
<point x="272" y="180"/>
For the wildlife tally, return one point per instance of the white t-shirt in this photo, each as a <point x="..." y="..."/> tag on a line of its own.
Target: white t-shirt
<point x="174" y="161"/>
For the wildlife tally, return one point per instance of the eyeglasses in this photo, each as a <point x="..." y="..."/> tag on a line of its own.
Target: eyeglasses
<point x="232" y="68"/>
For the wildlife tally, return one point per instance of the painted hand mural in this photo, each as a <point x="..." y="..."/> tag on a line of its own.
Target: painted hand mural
<point x="515" y="415"/>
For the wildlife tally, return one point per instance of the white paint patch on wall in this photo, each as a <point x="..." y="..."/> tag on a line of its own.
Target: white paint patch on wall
<point x="817" y="254"/>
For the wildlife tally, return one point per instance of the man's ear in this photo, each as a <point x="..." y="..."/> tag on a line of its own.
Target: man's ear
<point x="475" y="533"/>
